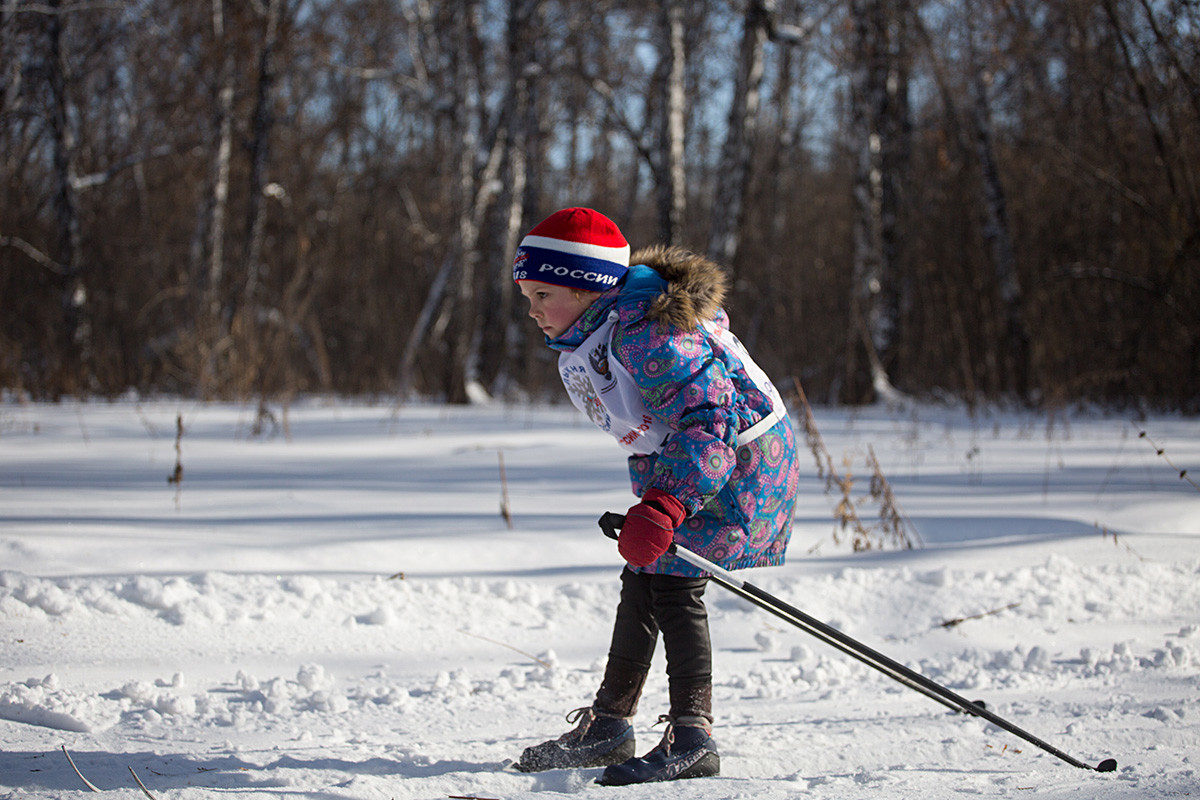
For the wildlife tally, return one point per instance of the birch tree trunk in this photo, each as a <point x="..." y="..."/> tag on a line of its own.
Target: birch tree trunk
<point x="878" y="126"/>
<point x="865" y="88"/>
<point x="462" y="374"/>
<point x="261" y="126"/>
<point x="406" y="379"/>
<point x="524" y="24"/>
<point x="895" y="127"/>
<point x="778" y="259"/>
<point x="733" y="173"/>
<point x="465" y="382"/>
<point x="450" y="319"/>
<point x="672" y="197"/>
<point x="212" y="319"/>
<point x="75" y="344"/>
<point x="1011" y="375"/>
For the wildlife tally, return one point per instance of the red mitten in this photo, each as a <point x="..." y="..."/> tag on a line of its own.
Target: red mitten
<point x="650" y="527"/>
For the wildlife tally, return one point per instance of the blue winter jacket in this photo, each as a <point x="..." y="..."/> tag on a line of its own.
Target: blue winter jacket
<point x="739" y="499"/>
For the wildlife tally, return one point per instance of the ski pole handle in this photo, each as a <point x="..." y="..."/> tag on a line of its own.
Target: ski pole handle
<point x="611" y="522"/>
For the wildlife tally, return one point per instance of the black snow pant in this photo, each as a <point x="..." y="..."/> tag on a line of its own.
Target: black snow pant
<point x="674" y="606"/>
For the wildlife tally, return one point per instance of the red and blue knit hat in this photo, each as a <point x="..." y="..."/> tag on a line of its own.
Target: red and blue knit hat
<point x="575" y="247"/>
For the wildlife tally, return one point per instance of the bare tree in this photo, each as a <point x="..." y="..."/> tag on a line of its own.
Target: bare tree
<point x="995" y="228"/>
<point x="456" y="323"/>
<point x="671" y="172"/>
<point x="261" y="125"/>
<point x="879" y="127"/>
<point x="736" y="155"/>
<point x="1027" y="214"/>
<point x="759" y="24"/>
<point x="75" y="341"/>
<point x="213" y="314"/>
<point x="525" y="27"/>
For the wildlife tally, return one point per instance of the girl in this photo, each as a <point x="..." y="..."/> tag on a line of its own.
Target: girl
<point x="645" y="351"/>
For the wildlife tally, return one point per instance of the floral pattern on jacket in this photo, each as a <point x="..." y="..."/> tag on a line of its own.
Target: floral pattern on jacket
<point x="739" y="499"/>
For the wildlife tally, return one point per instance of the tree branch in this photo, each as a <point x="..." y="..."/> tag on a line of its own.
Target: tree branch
<point x="81" y="182"/>
<point x="34" y="254"/>
<point x="50" y="11"/>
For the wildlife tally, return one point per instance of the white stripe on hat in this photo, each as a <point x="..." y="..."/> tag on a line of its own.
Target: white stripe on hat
<point x="620" y="255"/>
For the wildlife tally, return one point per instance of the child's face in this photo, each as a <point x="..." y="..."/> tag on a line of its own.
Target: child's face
<point x="555" y="308"/>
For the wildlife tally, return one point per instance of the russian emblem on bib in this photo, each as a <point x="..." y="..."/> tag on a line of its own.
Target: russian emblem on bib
<point x="577" y="382"/>
<point x="598" y="359"/>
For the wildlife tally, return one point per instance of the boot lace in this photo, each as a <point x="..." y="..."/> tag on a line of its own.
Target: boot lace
<point x="668" y="735"/>
<point x="585" y="716"/>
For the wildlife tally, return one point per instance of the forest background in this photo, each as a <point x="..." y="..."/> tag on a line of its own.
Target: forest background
<point x="981" y="200"/>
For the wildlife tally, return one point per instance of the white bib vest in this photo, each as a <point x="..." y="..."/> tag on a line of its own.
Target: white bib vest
<point x="600" y="386"/>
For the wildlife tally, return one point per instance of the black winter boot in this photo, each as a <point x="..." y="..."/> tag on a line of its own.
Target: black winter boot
<point x="597" y="741"/>
<point x="687" y="750"/>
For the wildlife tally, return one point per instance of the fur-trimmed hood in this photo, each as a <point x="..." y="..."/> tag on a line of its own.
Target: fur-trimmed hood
<point x="695" y="290"/>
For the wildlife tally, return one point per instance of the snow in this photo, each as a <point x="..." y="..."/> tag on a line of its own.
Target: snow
<point x="329" y="604"/>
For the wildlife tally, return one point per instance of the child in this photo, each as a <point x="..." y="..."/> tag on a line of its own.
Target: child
<point x="645" y="351"/>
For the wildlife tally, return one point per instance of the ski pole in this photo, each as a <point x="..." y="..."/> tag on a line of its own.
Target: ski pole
<point x="611" y="522"/>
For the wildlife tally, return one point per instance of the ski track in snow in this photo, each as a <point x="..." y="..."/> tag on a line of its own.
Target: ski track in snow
<point x="335" y="608"/>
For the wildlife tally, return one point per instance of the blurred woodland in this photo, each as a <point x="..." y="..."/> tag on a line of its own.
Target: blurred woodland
<point x="981" y="200"/>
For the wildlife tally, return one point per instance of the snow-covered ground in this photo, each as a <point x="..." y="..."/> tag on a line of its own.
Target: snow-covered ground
<point x="334" y="607"/>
